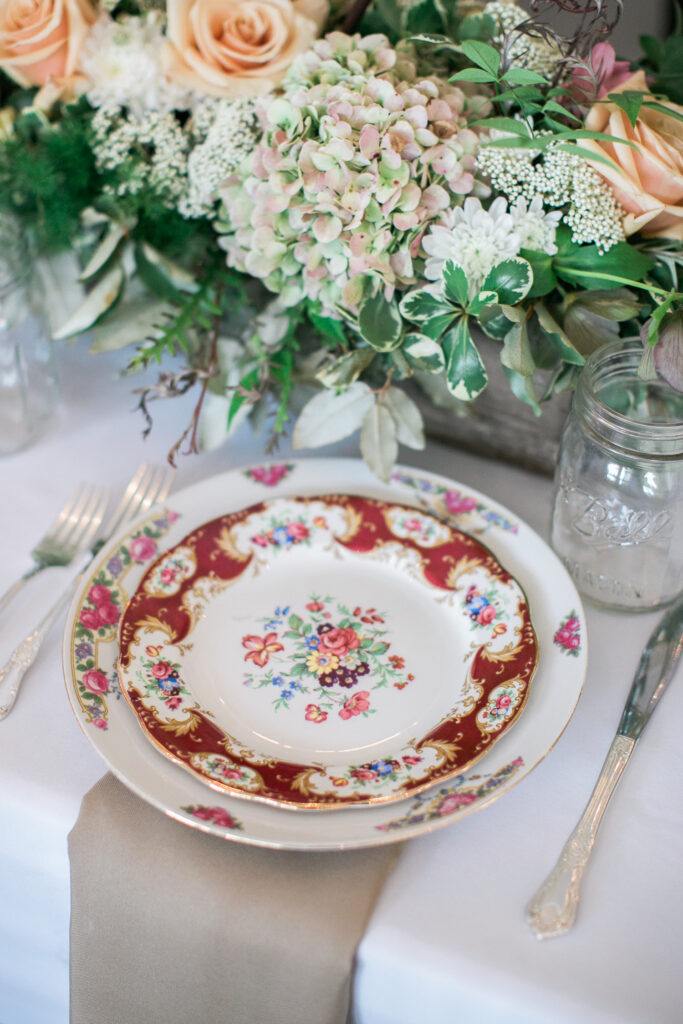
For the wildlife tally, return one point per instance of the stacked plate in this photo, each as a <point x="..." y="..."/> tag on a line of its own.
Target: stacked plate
<point x="300" y="656"/>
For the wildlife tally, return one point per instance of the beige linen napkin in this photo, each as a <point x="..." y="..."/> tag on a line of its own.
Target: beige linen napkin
<point x="171" y="925"/>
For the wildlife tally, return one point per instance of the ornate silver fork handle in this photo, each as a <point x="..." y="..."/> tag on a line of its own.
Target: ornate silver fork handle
<point x="25" y="654"/>
<point x="552" y="910"/>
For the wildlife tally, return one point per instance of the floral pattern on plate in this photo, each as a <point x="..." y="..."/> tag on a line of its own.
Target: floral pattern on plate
<point x="183" y="797"/>
<point x="169" y="574"/>
<point x="100" y="613"/>
<point x="424" y="530"/>
<point x="568" y="636"/>
<point x="270" y="475"/>
<point x="335" y="661"/>
<point x="461" y="794"/>
<point x="452" y="502"/>
<point x="502" y="703"/>
<point x="317" y="656"/>
<point x="216" y="815"/>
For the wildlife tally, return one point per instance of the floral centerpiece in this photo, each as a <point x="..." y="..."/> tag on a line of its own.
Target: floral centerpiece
<point x="298" y="207"/>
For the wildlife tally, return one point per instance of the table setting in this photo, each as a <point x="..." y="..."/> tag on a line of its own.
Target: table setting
<point x="341" y="435"/>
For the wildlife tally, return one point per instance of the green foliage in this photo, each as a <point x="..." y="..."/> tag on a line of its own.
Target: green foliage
<point x="48" y="176"/>
<point x="585" y="266"/>
<point x="664" y="59"/>
<point x="196" y="313"/>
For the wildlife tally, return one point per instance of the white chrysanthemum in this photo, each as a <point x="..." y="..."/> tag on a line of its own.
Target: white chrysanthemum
<point x="536" y="229"/>
<point x="122" y="61"/>
<point x="475" y="238"/>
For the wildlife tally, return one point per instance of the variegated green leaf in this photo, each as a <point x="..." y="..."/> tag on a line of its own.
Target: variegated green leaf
<point x="511" y="279"/>
<point x="465" y="372"/>
<point x="423" y="353"/>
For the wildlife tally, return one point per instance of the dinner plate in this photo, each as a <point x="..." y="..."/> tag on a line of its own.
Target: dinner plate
<point x="326" y="652"/>
<point x="90" y="652"/>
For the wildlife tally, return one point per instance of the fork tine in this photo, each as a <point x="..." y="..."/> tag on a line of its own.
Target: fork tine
<point x="71" y="512"/>
<point x="122" y="512"/>
<point x="159" y="489"/>
<point x="70" y="531"/>
<point x="96" y="517"/>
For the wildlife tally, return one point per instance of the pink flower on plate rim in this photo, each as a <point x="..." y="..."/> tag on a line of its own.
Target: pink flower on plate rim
<point x="142" y="548"/>
<point x="458" y="503"/>
<point x="269" y="475"/>
<point x="90" y="618"/>
<point x="99" y="594"/>
<point x="95" y="681"/>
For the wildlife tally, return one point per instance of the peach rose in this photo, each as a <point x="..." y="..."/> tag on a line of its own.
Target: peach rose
<point x="40" y="40"/>
<point x="647" y="181"/>
<point x="238" y="47"/>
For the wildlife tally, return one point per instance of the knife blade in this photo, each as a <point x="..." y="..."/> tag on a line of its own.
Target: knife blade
<point x="552" y="909"/>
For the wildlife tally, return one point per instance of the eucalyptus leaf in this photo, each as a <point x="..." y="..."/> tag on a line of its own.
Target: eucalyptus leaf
<point x="378" y="441"/>
<point x="329" y="416"/>
<point x="407" y="418"/>
<point x="523" y="388"/>
<point x="100" y="299"/>
<point x="176" y="275"/>
<point x="113" y="236"/>
<point x="558" y="338"/>
<point x="130" y="324"/>
<point x="465" y="372"/>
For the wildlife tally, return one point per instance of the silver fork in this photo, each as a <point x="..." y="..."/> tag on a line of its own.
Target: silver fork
<point x="71" y="532"/>
<point x="149" y="486"/>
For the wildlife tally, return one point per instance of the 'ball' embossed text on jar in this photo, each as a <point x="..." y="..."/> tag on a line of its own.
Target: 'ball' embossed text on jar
<point x="618" y="504"/>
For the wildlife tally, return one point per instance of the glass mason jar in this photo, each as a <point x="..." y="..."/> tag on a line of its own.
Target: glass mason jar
<point x="28" y="375"/>
<point x="618" y="503"/>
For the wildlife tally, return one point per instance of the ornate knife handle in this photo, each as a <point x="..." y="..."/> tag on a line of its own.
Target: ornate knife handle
<point x="552" y="910"/>
<point x="26" y="652"/>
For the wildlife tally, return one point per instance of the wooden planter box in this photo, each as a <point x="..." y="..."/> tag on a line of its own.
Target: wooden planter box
<point x="497" y="424"/>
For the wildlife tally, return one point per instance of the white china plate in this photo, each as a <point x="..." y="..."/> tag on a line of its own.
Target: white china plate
<point x="90" y="652"/>
<point x="326" y="652"/>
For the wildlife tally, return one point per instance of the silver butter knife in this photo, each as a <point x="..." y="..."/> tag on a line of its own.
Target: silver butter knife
<point x="552" y="910"/>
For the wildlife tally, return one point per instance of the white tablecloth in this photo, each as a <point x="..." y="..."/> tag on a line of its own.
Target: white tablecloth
<point x="448" y="939"/>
